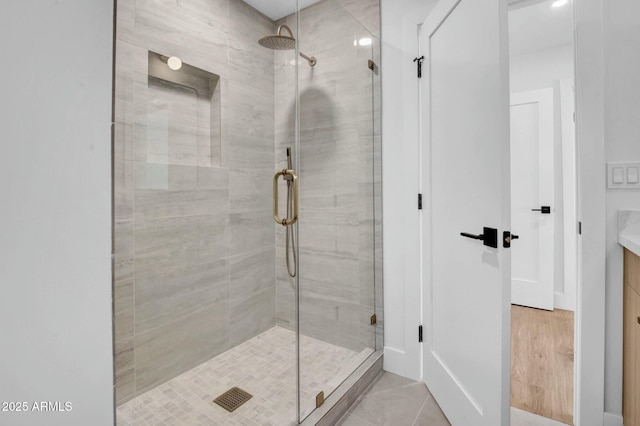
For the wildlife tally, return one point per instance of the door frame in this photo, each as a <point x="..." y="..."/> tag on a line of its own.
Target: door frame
<point x="591" y="202"/>
<point x="591" y="208"/>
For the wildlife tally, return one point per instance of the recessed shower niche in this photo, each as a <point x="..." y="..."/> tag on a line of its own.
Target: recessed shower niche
<point x="182" y="120"/>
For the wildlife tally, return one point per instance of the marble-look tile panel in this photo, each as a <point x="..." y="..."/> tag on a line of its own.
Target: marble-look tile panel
<point x="249" y="62"/>
<point x="251" y="189"/>
<point x="123" y="309"/>
<point x="251" y="315"/>
<point x="183" y="291"/>
<point x="167" y="244"/>
<point x="249" y="148"/>
<point x="165" y="352"/>
<point x="253" y="106"/>
<point x="123" y="192"/>
<point x="126" y="20"/>
<point x="330" y="320"/>
<point x="200" y="38"/>
<point x="152" y="205"/>
<point x="366" y="337"/>
<point x="366" y="239"/>
<point x="124" y="370"/>
<point x="284" y="308"/>
<point x="333" y="233"/>
<point x="251" y="232"/>
<point x="286" y="299"/>
<point x="123" y="249"/>
<point x="366" y="278"/>
<point x="329" y="277"/>
<point x="124" y="65"/>
<point x="366" y="12"/>
<point x="251" y="273"/>
<point x="123" y="143"/>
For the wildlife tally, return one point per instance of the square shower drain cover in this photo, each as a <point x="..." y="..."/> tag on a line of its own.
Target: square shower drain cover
<point x="232" y="399"/>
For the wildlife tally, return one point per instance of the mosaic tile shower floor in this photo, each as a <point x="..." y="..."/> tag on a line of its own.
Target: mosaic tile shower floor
<point x="264" y="366"/>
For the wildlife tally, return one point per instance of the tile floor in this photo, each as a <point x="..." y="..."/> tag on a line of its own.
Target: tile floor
<point x="396" y="401"/>
<point x="264" y="366"/>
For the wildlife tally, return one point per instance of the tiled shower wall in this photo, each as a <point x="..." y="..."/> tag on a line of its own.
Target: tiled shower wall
<point x="194" y="237"/>
<point x="340" y="175"/>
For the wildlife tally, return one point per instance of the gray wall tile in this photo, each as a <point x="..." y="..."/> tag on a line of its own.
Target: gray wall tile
<point x="169" y="350"/>
<point x="184" y="188"/>
<point x="252" y="315"/>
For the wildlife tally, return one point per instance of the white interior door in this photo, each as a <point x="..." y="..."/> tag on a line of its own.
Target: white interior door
<point x="466" y="180"/>
<point x="532" y="180"/>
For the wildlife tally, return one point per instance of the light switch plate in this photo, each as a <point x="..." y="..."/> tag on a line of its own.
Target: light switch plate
<point x="617" y="175"/>
<point x="623" y="175"/>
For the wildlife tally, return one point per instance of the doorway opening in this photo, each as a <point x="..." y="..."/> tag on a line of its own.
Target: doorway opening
<point x="543" y="210"/>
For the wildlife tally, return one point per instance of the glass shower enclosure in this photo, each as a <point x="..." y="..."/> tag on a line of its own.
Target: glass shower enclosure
<point x="204" y="301"/>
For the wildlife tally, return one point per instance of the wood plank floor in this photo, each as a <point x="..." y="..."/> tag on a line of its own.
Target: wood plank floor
<point x="542" y="362"/>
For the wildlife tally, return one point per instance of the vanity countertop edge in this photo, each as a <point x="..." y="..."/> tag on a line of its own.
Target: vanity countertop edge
<point x="629" y="230"/>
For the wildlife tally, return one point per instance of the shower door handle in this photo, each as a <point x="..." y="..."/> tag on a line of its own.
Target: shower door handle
<point x="286" y="221"/>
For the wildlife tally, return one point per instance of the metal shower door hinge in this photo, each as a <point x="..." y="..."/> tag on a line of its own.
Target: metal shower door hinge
<point x="371" y="65"/>
<point x="419" y="333"/>
<point x="374" y="319"/>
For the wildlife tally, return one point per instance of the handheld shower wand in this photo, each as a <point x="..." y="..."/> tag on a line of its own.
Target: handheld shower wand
<point x="290" y="237"/>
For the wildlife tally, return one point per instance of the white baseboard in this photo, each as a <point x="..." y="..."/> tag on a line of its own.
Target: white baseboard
<point x="612" y="419"/>
<point x="395" y="361"/>
<point x="561" y="301"/>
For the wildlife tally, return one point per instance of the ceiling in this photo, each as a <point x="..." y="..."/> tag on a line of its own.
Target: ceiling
<point x="533" y="24"/>
<point x="539" y="26"/>
<point x="276" y="9"/>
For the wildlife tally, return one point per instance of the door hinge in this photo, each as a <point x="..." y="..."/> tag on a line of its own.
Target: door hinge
<point x="419" y="60"/>
<point x="374" y="319"/>
<point x="420" y="333"/>
<point x="419" y="201"/>
<point x="579" y="228"/>
<point x="371" y="65"/>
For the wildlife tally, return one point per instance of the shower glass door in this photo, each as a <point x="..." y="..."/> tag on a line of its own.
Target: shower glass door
<point x="339" y="172"/>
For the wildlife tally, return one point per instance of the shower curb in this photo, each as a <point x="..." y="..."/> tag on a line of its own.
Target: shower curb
<point x="341" y="400"/>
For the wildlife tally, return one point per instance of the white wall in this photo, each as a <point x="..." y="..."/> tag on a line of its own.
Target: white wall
<point x="541" y="69"/>
<point x="55" y="233"/>
<point x="622" y="135"/>
<point x="400" y="187"/>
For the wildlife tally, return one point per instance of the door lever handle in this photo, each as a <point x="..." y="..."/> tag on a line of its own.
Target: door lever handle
<point x="543" y="210"/>
<point x="474" y="237"/>
<point x="489" y="237"/>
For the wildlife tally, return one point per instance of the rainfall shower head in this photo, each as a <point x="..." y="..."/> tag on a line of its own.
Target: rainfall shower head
<point x="279" y="41"/>
<point x="284" y="42"/>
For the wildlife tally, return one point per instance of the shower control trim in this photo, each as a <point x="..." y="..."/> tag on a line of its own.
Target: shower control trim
<point x="287" y="174"/>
